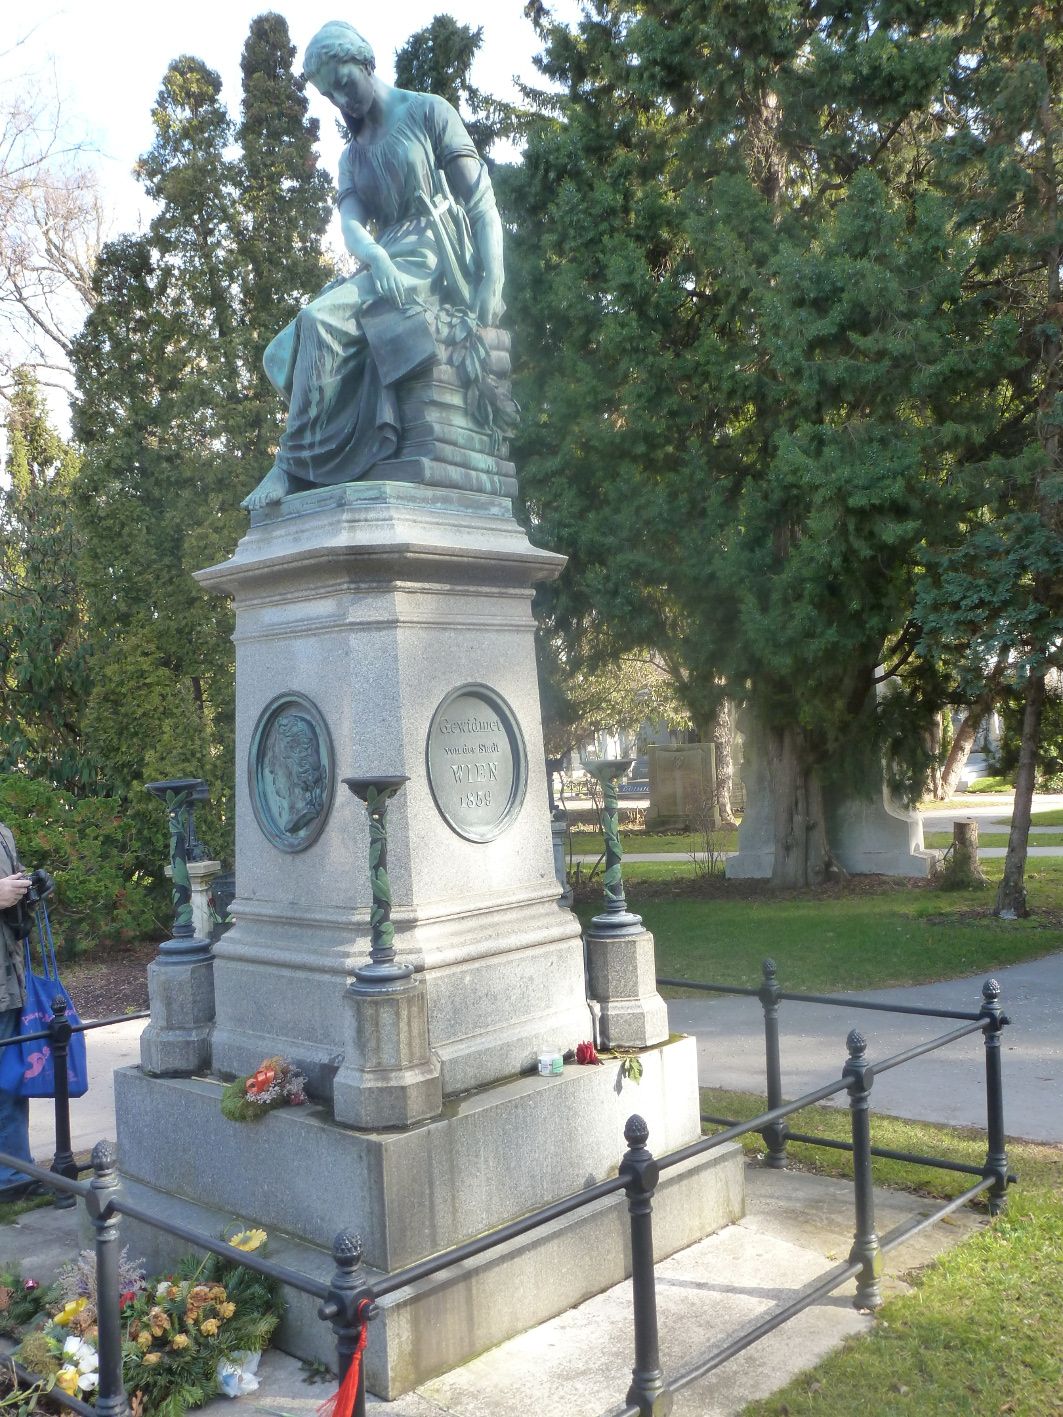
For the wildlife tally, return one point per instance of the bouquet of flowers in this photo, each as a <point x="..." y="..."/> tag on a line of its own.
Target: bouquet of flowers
<point x="64" y="1349"/>
<point x="274" y="1083"/>
<point x="185" y="1333"/>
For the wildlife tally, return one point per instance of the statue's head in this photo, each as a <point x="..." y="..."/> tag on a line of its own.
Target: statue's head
<point x="337" y="43"/>
<point x="340" y="64"/>
<point x="294" y="759"/>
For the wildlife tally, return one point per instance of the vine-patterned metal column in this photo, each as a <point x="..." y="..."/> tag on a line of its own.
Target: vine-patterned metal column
<point x="179" y="796"/>
<point x="376" y="793"/>
<point x="389" y="1076"/>
<point x="608" y="772"/>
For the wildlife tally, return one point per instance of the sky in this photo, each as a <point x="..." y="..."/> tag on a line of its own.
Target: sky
<point x="107" y="57"/>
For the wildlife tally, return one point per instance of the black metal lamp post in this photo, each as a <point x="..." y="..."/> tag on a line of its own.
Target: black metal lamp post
<point x="376" y="792"/>
<point x="179" y="794"/>
<point x="616" y="916"/>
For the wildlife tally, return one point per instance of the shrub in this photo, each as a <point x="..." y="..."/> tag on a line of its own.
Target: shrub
<point x="87" y="843"/>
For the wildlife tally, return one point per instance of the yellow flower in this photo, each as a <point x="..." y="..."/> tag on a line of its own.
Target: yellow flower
<point x="152" y="1358"/>
<point x="69" y="1311"/>
<point x="216" y="1293"/>
<point x="209" y="1327"/>
<point x="248" y="1240"/>
<point x="67" y="1379"/>
<point x="227" y="1309"/>
<point x="180" y="1340"/>
<point x="144" y="1339"/>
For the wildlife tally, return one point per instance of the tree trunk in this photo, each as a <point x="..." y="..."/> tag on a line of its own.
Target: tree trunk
<point x="1011" y="897"/>
<point x="723" y="742"/>
<point x="934" y="739"/>
<point x="969" y="729"/>
<point x="961" y="748"/>
<point x="802" y="856"/>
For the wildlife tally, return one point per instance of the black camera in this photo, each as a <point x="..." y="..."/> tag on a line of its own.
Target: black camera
<point x="20" y="916"/>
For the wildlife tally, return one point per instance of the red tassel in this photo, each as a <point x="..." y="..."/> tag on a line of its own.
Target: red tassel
<point x="341" y="1403"/>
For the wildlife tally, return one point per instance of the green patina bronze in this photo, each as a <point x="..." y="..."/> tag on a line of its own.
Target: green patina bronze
<point x="608" y="772"/>
<point x="290" y="772"/>
<point x="382" y="968"/>
<point x="418" y="212"/>
<point x="179" y="796"/>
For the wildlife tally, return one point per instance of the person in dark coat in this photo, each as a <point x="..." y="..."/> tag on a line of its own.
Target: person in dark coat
<point x="14" y="1111"/>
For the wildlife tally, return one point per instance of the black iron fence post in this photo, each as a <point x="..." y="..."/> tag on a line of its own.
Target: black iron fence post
<point x="996" y="1161"/>
<point x="865" y="1242"/>
<point x="111" y="1400"/>
<point x="647" y="1391"/>
<point x="60" y="1033"/>
<point x="348" y="1309"/>
<point x="775" y="1134"/>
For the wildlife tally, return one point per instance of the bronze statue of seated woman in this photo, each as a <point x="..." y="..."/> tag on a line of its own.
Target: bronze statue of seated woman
<point x="431" y="273"/>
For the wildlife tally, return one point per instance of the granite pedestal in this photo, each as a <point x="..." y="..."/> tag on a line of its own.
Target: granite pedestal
<point x="494" y="1155"/>
<point x="385" y="628"/>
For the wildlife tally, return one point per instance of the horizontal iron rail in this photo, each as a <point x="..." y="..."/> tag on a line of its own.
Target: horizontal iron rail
<point x="224" y="1251"/>
<point x="52" y="1179"/>
<point x="107" y="1022"/>
<point x="739" y="1129"/>
<point x="75" y="1028"/>
<point x="707" y="988"/>
<point x="896" y="1059"/>
<point x="469" y="1249"/>
<point x="887" y="1153"/>
<point x="833" y="1279"/>
<point x="26" y="1379"/>
<point x="831" y="1000"/>
<point x="909" y="1228"/>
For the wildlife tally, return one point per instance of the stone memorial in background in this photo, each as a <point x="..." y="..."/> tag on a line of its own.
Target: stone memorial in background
<point x="402" y="942"/>
<point x="869" y="833"/>
<point x="682" y="788"/>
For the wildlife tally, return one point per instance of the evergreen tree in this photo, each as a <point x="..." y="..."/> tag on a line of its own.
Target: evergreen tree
<point x="998" y="591"/>
<point x="174" y="414"/>
<point x="438" y="59"/>
<point x="284" y="205"/>
<point x="43" y="671"/>
<point x="740" y="304"/>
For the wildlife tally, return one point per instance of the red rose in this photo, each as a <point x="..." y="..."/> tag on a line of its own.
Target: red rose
<point x="585" y="1054"/>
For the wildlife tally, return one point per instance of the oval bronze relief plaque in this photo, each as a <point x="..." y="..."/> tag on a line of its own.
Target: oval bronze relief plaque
<point x="290" y="772"/>
<point x="477" y="764"/>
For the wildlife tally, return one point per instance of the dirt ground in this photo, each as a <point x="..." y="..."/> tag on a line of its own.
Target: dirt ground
<point x="111" y="985"/>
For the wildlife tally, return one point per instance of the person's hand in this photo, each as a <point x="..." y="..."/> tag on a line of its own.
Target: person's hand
<point x="12" y="889"/>
<point x="388" y="279"/>
<point x="489" y="306"/>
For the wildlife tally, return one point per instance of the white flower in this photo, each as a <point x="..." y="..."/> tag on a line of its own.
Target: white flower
<point x="163" y="1290"/>
<point x="82" y="1358"/>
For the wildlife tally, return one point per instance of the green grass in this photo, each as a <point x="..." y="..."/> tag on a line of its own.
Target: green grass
<point x="1047" y="819"/>
<point x="9" y="1213"/>
<point x="590" y="843"/>
<point x="942" y="839"/>
<point x="857" y="936"/>
<point x="981" y="1332"/>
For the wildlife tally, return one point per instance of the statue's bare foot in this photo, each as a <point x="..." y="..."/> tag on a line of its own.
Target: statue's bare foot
<point x="269" y="491"/>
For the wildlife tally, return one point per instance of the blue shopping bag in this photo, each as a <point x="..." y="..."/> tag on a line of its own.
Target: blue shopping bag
<point x="28" y="1069"/>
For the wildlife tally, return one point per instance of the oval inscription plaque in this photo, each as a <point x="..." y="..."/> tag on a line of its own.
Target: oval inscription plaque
<point x="477" y="764"/>
<point x="290" y="772"/>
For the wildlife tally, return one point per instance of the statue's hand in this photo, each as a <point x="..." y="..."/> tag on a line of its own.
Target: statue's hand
<point x="489" y="306"/>
<point x="388" y="279"/>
